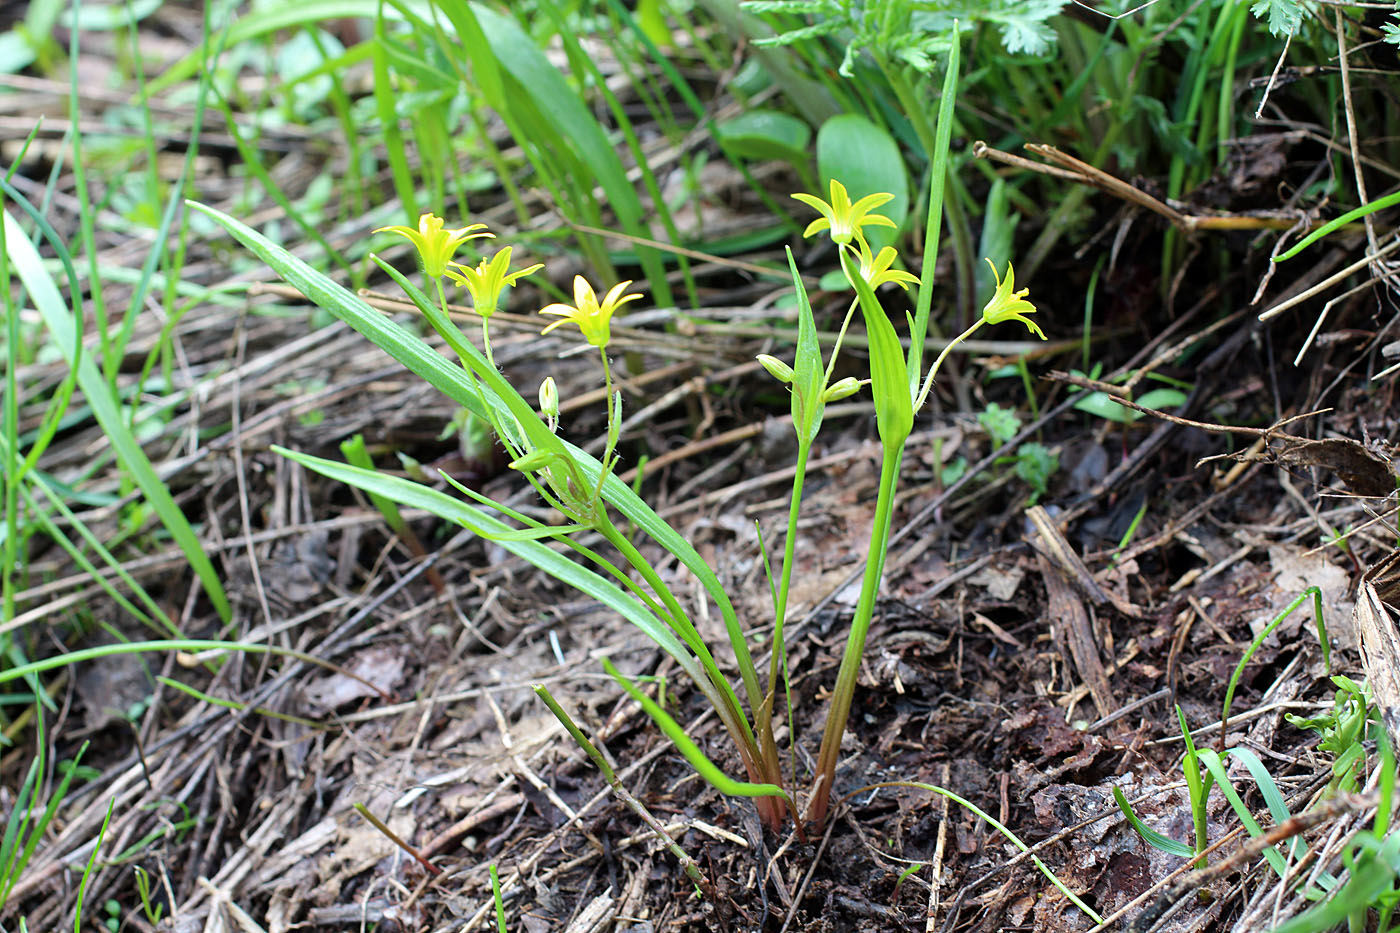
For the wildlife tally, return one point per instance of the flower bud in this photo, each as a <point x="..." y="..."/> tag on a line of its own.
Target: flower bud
<point x="534" y="460"/>
<point x="549" y="398"/>
<point x="776" y="367"/>
<point x="842" y="388"/>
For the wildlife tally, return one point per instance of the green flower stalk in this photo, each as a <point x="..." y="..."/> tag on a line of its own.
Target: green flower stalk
<point x="891" y="385"/>
<point x="1006" y="304"/>
<point x="593" y="318"/>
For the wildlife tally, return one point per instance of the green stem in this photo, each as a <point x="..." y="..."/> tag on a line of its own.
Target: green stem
<point x="933" y="370"/>
<point x="779" y="656"/>
<point x="759" y="753"/>
<point x="840" y="708"/>
<point x="613" y="426"/>
<point x="840" y="336"/>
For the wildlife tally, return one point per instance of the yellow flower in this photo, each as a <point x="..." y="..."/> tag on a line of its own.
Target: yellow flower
<point x="489" y="279"/>
<point x="591" y="315"/>
<point x="843" y="218"/>
<point x="1009" y="305"/>
<point x="436" y="245"/>
<point x="876" y="269"/>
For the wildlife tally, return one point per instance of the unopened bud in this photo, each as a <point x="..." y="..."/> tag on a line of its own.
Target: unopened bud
<point x="776" y="367"/>
<point x="549" y="398"/>
<point x="840" y="389"/>
<point x="534" y="460"/>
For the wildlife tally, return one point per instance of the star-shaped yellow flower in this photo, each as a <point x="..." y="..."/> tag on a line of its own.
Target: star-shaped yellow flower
<point x="843" y="218"/>
<point x="489" y="279"/>
<point x="1006" y="304"/>
<point x="590" y="314"/>
<point x="876" y="269"/>
<point x="436" y="246"/>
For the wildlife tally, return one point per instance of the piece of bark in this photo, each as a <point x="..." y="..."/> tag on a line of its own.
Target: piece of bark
<point x="1068" y="613"/>
<point x="1058" y="550"/>
<point x="1380" y="654"/>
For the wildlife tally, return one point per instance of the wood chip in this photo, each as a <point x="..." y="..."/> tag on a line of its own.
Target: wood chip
<point x="1066" y="610"/>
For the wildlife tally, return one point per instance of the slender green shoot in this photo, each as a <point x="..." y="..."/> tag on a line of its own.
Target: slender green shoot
<point x="497" y="899"/>
<point x="1264" y="633"/>
<point x="90" y="867"/>
<point x="1351" y="216"/>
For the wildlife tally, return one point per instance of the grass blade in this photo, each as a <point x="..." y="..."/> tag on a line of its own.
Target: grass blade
<point x="61" y="323"/>
<point x="1149" y="835"/>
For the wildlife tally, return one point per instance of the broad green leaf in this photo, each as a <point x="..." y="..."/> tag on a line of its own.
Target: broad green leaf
<point x="1162" y="399"/>
<point x="766" y="134"/>
<point x="1100" y="405"/>
<point x="575" y="128"/>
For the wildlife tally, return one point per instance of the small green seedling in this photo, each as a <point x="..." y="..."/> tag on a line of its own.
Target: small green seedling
<point x="1032" y="462"/>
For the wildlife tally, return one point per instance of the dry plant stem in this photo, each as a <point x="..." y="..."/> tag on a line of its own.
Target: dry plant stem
<point x="1085" y="174"/>
<point x="394" y="837"/>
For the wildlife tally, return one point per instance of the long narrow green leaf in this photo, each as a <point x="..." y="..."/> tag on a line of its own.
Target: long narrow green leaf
<point x="60" y="320"/>
<point x="577" y="130"/>
<point x="938" y="174"/>
<point x="1265" y="632"/>
<point x="590" y="584"/>
<point x="1149" y="835"/>
<point x="996" y="824"/>
<point x="689" y="750"/>
<point x="1349" y="217"/>
<point x="386" y="105"/>
<point x="1216" y="767"/>
<point x="383" y="332"/>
